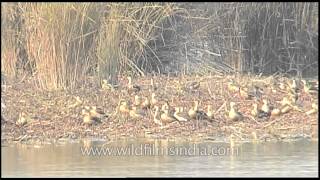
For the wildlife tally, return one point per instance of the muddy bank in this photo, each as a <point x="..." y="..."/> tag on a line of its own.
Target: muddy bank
<point x="56" y="115"/>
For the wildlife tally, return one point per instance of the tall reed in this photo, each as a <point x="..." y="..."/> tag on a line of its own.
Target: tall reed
<point x="65" y="42"/>
<point x="59" y="39"/>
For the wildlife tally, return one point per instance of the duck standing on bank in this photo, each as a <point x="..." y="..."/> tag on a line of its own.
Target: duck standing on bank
<point x="233" y="114"/>
<point x="136" y="113"/>
<point x="88" y="118"/>
<point x="256" y="112"/>
<point x="166" y="117"/>
<point x="266" y="108"/>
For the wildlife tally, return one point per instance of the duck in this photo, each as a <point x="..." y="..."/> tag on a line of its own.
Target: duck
<point x="265" y="107"/>
<point x="132" y="87"/>
<point x="257" y="112"/>
<point x="232" y="87"/>
<point x="88" y="118"/>
<point x="273" y="89"/>
<point x="282" y="86"/>
<point x="249" y="94"/>
<point x="137" y="100"/>
<point x="177" y="114"/>
<point x="166" y="117"/>
<point x="195" y="113"/>
<point x="285" y="109"/>
<point x="257" y="92"/>
<point x="314" y="106"/>
<point x="293" y="97"/>
<point x="275" y="112"/>
<point x="293" y="86"/>
<point x="23" y="119"/>
<point x="210" y="113"/>
<point x="244" y="93"/>
<point x="308" y="89"/>
<point x="124" y="107"/>
<point x="314" y="109"/>
<point x="136" y="113"/>
<point x="193" y="110"/>
<point x="106" y="85"/>
<point x="94" y="113"/>
<point x="166" y="106"/>
<point x="233" y="114"/>
<point x="285" y="101"/>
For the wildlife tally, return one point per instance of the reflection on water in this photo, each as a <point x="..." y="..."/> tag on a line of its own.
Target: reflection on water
<point x="248" y="159"/>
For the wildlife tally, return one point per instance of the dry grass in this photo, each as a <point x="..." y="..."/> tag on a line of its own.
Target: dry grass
<point x="59" y="41"/>
<point x="8" y="46"/>
<point x="62" y="43"/>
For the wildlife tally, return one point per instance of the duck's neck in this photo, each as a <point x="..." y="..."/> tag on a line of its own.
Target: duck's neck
<point x="232" y="109"/>
<point x="166" y="112"/>
<point x="156" y="113"/>
<point x="209" y="109"/>
<point x="130" y="81"/>
<point x="196" y="106"/>
<point x="176" y="112"/>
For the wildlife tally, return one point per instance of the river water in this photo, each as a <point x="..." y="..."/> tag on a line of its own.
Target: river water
<point x="140" y="158"/>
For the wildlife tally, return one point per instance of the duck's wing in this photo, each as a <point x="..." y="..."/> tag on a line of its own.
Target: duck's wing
<point x="263" y="114"/>
<point x="201" y="115"/>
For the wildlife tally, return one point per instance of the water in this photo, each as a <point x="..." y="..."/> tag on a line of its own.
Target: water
<point x="264" y="159"/>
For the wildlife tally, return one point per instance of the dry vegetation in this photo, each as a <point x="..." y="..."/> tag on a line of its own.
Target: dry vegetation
<point x="57" y="115"/>
<point x="54" y="52"/>
<point x="61" y="43"/>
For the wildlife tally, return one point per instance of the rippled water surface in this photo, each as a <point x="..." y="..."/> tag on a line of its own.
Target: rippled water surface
<point x="175" y="159"/>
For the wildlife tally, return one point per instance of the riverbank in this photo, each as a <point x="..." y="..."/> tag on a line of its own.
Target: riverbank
<point x="56" y="115"/>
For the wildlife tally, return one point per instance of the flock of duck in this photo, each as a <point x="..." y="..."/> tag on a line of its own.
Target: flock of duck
<point x="140" y="108"/>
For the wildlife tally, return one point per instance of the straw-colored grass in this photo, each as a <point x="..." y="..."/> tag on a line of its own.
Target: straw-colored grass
<point x="8" y="46"/>
<point x="59" y="40"/>
<point x="63" y="43"/>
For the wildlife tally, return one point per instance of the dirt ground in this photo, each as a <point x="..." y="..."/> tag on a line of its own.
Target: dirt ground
<point x="57" y="115"/>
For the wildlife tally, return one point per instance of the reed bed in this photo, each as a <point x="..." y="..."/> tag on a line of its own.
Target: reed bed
<point x="61" y="44"/>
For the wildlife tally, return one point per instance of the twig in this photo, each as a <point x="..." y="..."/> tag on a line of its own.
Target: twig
<point x="270" y="123"/>
<point x="210" y="93"/>
<point x="252" y="118"/>
<point x="221" y="107"/>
